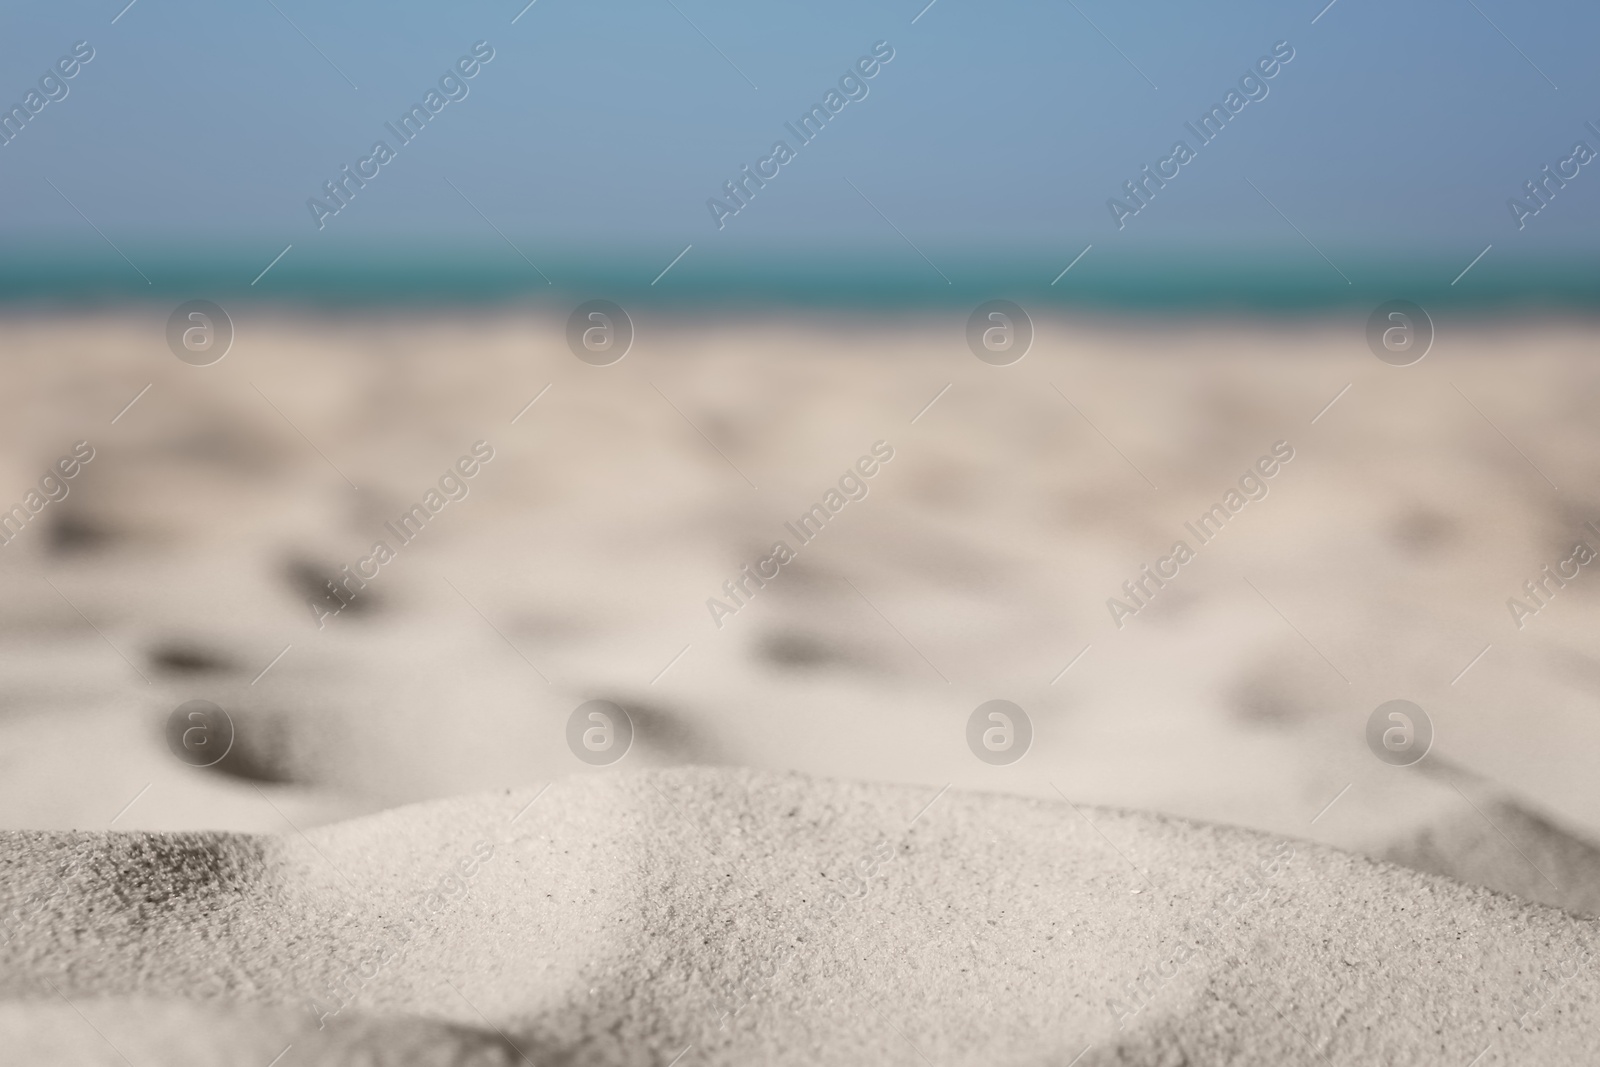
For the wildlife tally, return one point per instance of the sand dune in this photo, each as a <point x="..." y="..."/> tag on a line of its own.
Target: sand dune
<point x="783" y="919"/>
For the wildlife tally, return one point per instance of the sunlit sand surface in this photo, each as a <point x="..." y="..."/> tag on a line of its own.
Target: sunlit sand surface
<point x="579" y="563"/>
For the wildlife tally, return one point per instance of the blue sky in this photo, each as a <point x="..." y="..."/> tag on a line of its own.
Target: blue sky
<point x="1396" y="129"/>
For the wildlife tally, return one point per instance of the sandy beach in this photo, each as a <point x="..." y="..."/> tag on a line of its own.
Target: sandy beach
<point x="722" y="914"/>
<point x="620" y="915"/>
<point x="979" y="565"/>
<point x="695" y="533"/>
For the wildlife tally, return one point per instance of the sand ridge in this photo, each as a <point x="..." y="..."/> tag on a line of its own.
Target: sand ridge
<point x="624" y="919"/>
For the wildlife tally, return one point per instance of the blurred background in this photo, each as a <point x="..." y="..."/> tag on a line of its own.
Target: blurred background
<point x="992" y="140"/>
<point x="363" y="352"/>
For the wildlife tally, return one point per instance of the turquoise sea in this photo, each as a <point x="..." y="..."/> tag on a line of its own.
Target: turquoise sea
<point x="1281" y="282"/>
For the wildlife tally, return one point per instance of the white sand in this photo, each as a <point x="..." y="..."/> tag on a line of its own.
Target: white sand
<point x="991" y="542"/>
<point x="619" y="921"/>
<point x="610" y="926"/>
